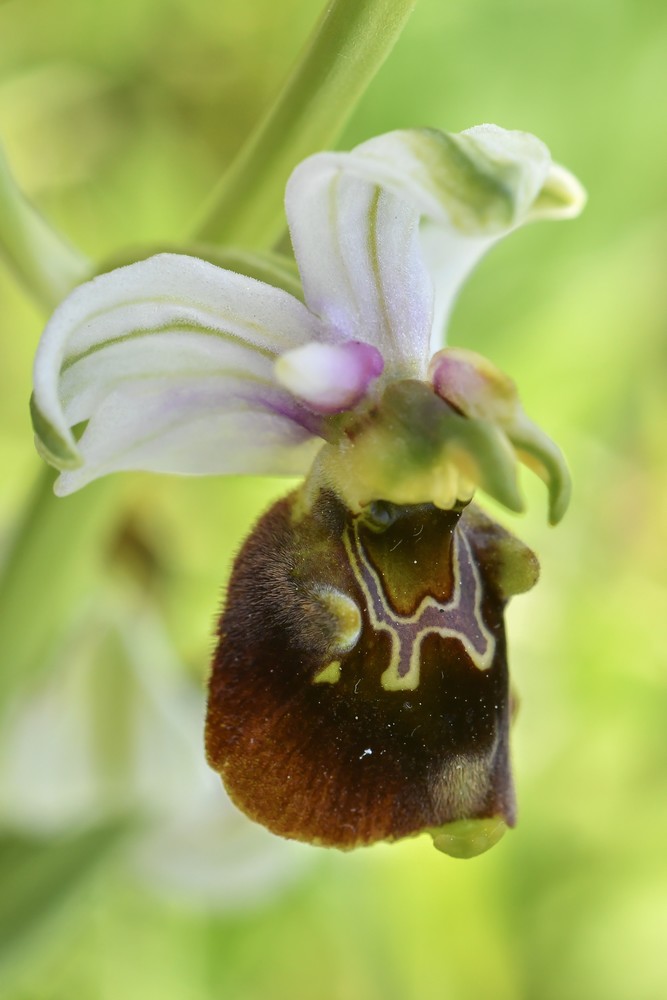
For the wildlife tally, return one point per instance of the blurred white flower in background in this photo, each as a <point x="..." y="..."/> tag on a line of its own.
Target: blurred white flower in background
<point x="114" y="729"/>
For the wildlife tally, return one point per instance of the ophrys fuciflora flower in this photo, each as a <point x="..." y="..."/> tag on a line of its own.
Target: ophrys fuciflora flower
<point x="359" y="689"/>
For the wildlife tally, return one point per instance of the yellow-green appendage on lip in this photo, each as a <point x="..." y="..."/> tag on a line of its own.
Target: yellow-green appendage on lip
<point x="466" y="838"/>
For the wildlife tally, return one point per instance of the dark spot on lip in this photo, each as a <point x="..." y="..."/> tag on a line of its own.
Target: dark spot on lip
<point x="411" y="554"/>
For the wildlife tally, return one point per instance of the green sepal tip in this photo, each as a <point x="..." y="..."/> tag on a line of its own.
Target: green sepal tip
<point x="51" y="445"/>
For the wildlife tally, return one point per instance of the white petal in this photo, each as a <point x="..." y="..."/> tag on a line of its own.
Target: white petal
<point x="469" y="189"/>
<point x="477" y="182"/>
<point x="357" y="247"/>
<point x="160" y="357"/>
<point x="201" y="425"/>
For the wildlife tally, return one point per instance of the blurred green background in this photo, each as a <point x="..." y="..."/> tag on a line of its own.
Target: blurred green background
<point x="123" y="871"/>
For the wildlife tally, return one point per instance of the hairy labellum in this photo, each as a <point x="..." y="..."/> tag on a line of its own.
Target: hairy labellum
<point x="360" y="688"/>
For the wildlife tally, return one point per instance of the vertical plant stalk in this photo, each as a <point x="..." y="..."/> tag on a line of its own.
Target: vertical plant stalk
<point x="53" y="560"/>
<point x="348" y="46"/>
<point x="47" y="265"/>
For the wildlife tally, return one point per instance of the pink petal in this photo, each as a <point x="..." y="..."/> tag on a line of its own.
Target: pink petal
<point x="330" y="378"/>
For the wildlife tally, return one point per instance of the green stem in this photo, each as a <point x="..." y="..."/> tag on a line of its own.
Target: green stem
<point x="46" y="265"/>
<point x="48" y="569"/>
<point x="348" y="46"/>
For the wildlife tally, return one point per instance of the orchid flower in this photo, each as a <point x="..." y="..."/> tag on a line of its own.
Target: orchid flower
<point x="359" y="689"/>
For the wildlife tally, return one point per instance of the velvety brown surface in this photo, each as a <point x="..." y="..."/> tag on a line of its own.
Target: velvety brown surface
<point x="348" y="763"/>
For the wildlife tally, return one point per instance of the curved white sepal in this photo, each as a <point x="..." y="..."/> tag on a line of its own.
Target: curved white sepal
<point x="170" y="362"/>
<point x="358" y="250"/>
<point x="469" y="190"/>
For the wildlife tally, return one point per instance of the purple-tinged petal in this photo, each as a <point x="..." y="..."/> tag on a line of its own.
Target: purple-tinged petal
<point x="469" y="189"/>
<point x="473" y="385"/>
<point x="170" y="361"/>
<point x="330" y="378"/>
<point x="199" y="425"/>
<point x="358" y="250"/>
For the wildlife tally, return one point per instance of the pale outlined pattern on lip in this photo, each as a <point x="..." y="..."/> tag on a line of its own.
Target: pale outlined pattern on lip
<point x="460" y="618"/>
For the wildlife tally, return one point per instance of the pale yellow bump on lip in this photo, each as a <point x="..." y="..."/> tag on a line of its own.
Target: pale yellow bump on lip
<point x="346" y="615"/>
<point x="329" y="674"/>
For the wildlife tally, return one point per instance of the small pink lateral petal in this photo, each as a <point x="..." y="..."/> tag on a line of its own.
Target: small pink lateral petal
<point x="474" y="385"/>
<point x="330" y="378"/>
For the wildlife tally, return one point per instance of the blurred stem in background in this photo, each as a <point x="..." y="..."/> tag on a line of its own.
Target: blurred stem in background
<point x="48" y="566"/>
<point x="46" y="265"/>
<point x="348" y="46"/>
